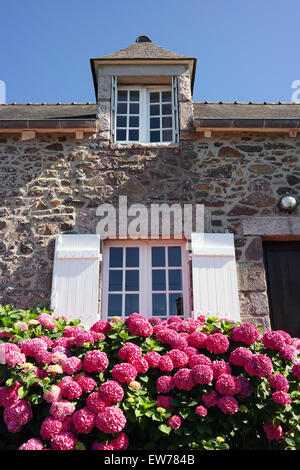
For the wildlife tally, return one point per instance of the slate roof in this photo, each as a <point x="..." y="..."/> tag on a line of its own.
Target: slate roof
<point x="48" y="111"/>
<point x="250" y="110"/>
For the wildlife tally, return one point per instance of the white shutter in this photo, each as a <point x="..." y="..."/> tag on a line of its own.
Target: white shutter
<point x="113" y="114"/>
<point x="215" y="287"/>
<point x="75" y="282"/>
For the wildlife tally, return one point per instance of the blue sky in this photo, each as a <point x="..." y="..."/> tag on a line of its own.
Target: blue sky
<point x="245" y="50"/>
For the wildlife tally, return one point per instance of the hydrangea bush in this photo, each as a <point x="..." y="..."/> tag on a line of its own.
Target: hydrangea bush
<point x="196" y="383"/>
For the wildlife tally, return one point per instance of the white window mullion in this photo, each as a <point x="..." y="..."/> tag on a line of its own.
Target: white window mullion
<point x="175" y="109"/>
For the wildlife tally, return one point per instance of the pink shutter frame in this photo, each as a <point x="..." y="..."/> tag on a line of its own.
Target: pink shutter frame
<point x="75" y="282"/>
<point x="215" y="287"/>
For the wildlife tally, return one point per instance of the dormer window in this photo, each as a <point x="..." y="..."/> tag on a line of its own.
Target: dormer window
<point x="143" y="114"/>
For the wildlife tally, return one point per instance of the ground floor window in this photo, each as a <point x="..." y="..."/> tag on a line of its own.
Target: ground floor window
<point x="147" y="277"/>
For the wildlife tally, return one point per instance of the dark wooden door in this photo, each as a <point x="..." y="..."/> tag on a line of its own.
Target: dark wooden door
<point x="282" y="262"/>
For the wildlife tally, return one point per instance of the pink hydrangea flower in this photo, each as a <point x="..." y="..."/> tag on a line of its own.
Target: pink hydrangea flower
<point x="63" y="441"/>
<point x="124" y="373"/>
<point x="245" y="333"/>
<point x="164" y="401"/>
<point x="17" y="415"/>
<point x="190" y="351"/>
<point x="174" y="422"/>
<point x="184" y="379"/>
<point x="197" y="339"/>
<point x="165" y="384"/>
<point x="121" y="442"/>
<point x="22" y="325"/>
<point x="165" y="363"/>
<point x="228" y="405"/>
<point x="152" y="358"/>
<point x="111" y="392"/>
<point x="279" y="382"/>
<point x="86" y="383"/>
<point x="220" y="367"/>
<point x="227" y="385"/>
<point x="140" y="327"/>
<point x="202" y="374"/>
<point x="128" y="349"/>
<point x="8" y="397"/>
<point x="289" y="353"/>
<point x="32" y="444"/>
<point x="95" y="403"/>
<point x="47" y="340"/>
<point x="239" y="356"/>
<point x="259" y="365"/>
<point x="95" y="361"/>
<point x="61" y="409"/>
<point x="155" y="320"/>
<point x="273" y="340"/>
<point x="210" y="399"/>
<point x="296" y="370"/>
<point x="166" y="335"/>
<point x="179" y="342"/>
<point x="72" y="331"/>
<point x="217" y="343"/>
<point x="201" y="411"/>
<point x="55" y="394"/>
<point x="50" y="427"/>
<point x="33" y="346"/>
<point x="84" y="420"/>
<point x="111" y="420"/>
<point x="14" y="358"/>
<point x="139" y="363"/>
<point x="47" y="321"/>
<point x="281" y="398"/>
<point x="84" y="337"/>
<point x="43" y="357"/>
<point x="101" y="326"/>
<point x="70" y="388"/>
<point x="272" y="432"/>
<point x="179" y="358"/>
<point x="199" y="359"/>
<point x="72" y="365"/>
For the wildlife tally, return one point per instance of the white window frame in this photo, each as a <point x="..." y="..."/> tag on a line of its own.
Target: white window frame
<point x="145" y="280"/>
<point x="144" y="114"/>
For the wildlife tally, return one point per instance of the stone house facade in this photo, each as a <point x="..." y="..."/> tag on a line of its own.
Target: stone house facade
<point x="59" y="162"/>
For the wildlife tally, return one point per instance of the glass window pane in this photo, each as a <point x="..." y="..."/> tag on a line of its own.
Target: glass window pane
<point x="132" y="257"/>
<point x="175" y="304"/>
<point x="134" y="121"/>
<point x="122" y="95"/>
<point x="114" y="305"/>
<point x="133" y="135"/>
<point x="175" y="282"/>
<point x="154" y="110"/>
<point x="132" y="280"/>
<point x="158" y="279"/>
<point x="115" y="257"/>
<point x="167" y="136"/>
<point x="159" y="304"/>
<point x="155" y="123"/>
<point x="121" y="121"/>
<point x="134" y="96"/>
<point x="121" y="134"/>
<point x="167" y="122"/>
<point x="166" y="109"/>
<point x="174" y="256"/>
<point x="158" y="256"/>
<point x="155" y="136"/>
<point x="131" y="304"/>
<point x="134" y="108"/>
<point x="166" y="96"/>
<point x="115" y="280"/>
<point x="154" y="97"/>
<point x="122" y="108"/>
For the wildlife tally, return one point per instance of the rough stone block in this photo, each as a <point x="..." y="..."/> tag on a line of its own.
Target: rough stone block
<point x="251" y="277"/>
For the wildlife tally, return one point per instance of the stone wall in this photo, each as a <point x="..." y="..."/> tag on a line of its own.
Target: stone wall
<point x="53" y="185"/>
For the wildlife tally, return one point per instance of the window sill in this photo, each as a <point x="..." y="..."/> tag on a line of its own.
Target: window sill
<point x="156" y="145"/>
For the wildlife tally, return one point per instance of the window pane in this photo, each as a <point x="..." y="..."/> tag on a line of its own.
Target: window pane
<point x="122" y="95"/>
<point x="115" y="281"/>
<point x="121" y="134"/>
<point x="115" y="257"/>
<point x="132" y="257"/>
<point x="166" y="96"/>
<point x="174" y="256"/>
<point x="134" y="96"/>
<point x="134" y="121"/>
<point x="122" y="108"/>
<point x="154" y="97"/>
<point x="121" y="121"/>
<point x="166" y="109"/>
<point x="158" y="279"/>
<point x="114" y="305"/>
<point x="167" y="122"/>
<point x="155" y="136"/>
<point x="159" y="304"/>
<point x="154" y="110"/>
<point x="133" y="135"/>
<point x="154" y="123"/>
<point x="175" y="282"/>
<point x="158" y="256"/>
<point x="132" y="280"/>
<point x="134" y="108"/>
<point x="176" y="304"/>
<point x="131" y="304"/>
<point x="167" y="136"/>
